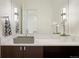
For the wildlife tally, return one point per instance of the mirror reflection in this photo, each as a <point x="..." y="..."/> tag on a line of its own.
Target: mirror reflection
<point x="40" y="16"/>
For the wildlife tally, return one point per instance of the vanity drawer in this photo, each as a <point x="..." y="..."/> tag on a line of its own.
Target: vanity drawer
<point x="21" y="52"/>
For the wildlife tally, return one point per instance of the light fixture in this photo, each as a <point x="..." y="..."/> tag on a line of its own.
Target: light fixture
<point x="64" y="18"/>
<point x="64" y="13"/>
<point x="6" y="18"/>
<point x="64" y="10"/>
<point x="16" y="14"/>
<point x="15" y="10"/>
<point x="16" y="18"/>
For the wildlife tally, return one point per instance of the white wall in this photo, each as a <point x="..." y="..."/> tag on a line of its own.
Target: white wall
<point x="48" y="11"/>
<point x="74" y="16"/>
<point x="5" y="7"/>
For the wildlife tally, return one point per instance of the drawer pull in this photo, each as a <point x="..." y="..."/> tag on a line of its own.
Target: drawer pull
<point x="20" y="48"/>
<point x="24" y="48"/>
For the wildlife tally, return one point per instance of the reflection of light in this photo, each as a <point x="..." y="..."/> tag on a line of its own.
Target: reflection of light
<point x="16" y="18"/>
<point x="7" y="19"/>
<point x="64" y="17"/>
<point x="15" y="14"/>
<point x="15" y="10"/>
<point x="64" y="14"/>
<point x="64" y="10"/>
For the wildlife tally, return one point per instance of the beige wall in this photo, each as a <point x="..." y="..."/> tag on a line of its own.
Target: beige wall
<point x="74" y="16"/>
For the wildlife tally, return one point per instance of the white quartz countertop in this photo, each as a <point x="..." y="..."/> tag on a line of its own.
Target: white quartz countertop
<point x="43" y="40"/>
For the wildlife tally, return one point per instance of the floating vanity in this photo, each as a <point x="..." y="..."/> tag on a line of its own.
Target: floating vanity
<point x="39" y="46"/>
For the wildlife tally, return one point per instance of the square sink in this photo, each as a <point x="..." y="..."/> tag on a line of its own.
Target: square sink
<point x="24" y="40"/>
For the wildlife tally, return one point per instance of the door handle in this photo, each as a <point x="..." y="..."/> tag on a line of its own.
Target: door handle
<point x="20" y="48"/>
<point x="24" y="48"/>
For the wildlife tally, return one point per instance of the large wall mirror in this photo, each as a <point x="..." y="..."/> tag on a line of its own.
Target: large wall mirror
<point x="40" y="16"/>
<point x="10" y="17"/>
<point x="48" y="14"/>
<point x="35" y="16"/>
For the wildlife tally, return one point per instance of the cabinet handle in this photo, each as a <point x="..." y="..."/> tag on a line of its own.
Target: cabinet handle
<point x="20" y="48"/>
<point x="24" y="48"/>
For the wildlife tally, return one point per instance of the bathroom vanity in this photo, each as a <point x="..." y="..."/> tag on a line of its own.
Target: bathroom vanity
<point x="44" y="46"/>
<point x="20" y="18"/>
<point x="39" y="52"/>
<point x="21" y="52"/>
